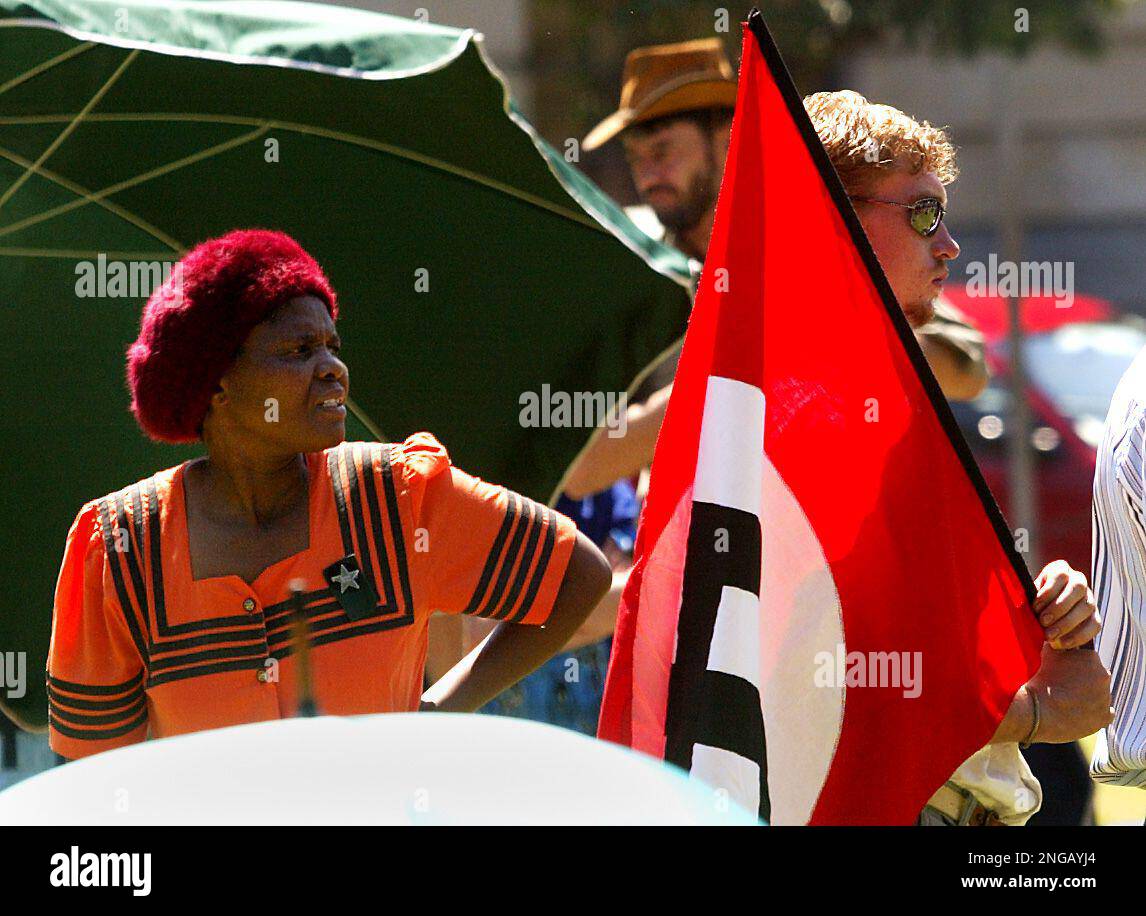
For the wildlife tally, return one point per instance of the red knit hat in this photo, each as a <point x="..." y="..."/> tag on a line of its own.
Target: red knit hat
<point x="194" y="324"/>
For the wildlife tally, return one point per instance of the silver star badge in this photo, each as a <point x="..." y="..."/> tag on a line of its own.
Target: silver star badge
<point x="346" y="578"/>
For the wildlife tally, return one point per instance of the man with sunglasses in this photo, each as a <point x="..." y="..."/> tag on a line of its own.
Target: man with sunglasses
<point x="895" y="171"/>
<point x="916" y="272"/>
<point x="953" y="347"/>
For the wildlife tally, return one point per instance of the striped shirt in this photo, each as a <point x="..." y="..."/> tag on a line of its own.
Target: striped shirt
<point x="1119" y="575"/>
<point x="140" y="648"/>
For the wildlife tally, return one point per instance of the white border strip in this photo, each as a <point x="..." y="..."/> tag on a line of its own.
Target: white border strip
<point x="455" y="52"/>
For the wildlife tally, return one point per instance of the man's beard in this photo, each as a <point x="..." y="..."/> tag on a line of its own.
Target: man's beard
<point x="921" y="313"/>
<point x="699" y="198"/>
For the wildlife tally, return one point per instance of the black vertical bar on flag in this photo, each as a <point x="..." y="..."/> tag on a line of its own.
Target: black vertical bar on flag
<point x="707" y="707"/>
<point x="795" y="105"/>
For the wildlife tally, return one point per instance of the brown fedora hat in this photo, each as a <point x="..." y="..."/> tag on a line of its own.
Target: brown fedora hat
<point x="662" y="80"/>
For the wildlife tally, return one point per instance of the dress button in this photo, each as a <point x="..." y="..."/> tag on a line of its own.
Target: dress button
<point x="261" y="677"/>
<point x="249" y="605"/>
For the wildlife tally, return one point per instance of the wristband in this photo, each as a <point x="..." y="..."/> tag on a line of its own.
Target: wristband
<point x="1026" y="742"/>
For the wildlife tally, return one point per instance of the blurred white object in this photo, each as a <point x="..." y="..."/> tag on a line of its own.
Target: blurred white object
<point x="385" y="769"/>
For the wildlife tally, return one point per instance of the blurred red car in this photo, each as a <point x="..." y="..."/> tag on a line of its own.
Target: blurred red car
<point x="1074" y="358"/>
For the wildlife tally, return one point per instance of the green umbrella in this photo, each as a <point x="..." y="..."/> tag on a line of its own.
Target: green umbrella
<point x="474" y="264"/>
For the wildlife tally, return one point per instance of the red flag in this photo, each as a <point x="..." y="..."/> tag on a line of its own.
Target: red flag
<point x="826" y="614"/>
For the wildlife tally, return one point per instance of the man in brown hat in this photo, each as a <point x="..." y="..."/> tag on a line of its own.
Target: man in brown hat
<point x="674" y="121"/>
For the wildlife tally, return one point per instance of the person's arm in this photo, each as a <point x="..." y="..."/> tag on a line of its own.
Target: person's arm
<point x="1118" y="503"/>
<point x="512" y="651"/>
<point x="603" y="619"/>
<point x="448" y="642"/>
<point x="1072" y="686"/>
<point x="1073" y="690"/>
<point x="609" y="459"/>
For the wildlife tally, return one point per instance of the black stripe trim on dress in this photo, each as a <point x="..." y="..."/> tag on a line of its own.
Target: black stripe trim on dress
<point x="199" y="626"/>
<point x="339" y="635"/>
<point x="130" y="556"/>
<point x="125" y="605"/>
<point x="396" y="618"/>
<point x="135" y="548"/>
<point x="101" y="719"/>
<point x="166" y="677"/>
<point x="507" y="563"/>
<point x="99" y="734"/>
<point x="272" y="609"/>
<point x="396" y="528"/>
<point x="388" y="597"/>
<point x="97" y="690"/>
<point x="328" y="623"/>
<point x="209" y="639"/>
<point x="283" y="618"/>
<point x="542" y="566"/>
<point x="155" y="559"/>
<point x="492" y="558"/>
<point x="62" y="699"/>
<point x="358" y="514"/>
<point x="317" y="622"/>
<point x="535" y="521"/>
<point x="234" y="652"/>
<point x="339" y="499"/>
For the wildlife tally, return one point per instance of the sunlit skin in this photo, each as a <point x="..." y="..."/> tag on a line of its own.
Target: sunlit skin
<point x="676" y="170"/>
<point x="915" y="266"/>
<point x="247" y="500"/>
<point x="292" y="359"/>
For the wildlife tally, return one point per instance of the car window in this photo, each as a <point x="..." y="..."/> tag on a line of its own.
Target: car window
<point x="1078" y="366"/>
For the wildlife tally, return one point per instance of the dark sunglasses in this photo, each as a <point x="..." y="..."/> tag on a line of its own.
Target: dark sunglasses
<point x="925" y="214"/>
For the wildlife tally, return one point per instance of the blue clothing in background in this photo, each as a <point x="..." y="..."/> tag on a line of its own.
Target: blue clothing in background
<point x="567" y="689"/>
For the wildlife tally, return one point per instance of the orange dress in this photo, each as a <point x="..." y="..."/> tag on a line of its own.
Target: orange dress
<point x="141" y="649"/>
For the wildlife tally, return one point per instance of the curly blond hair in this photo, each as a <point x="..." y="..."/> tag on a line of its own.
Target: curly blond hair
<point x="863" y="139"/>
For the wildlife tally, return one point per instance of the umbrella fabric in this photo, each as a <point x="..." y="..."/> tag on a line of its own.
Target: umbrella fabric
<point x="473" y="263"/>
